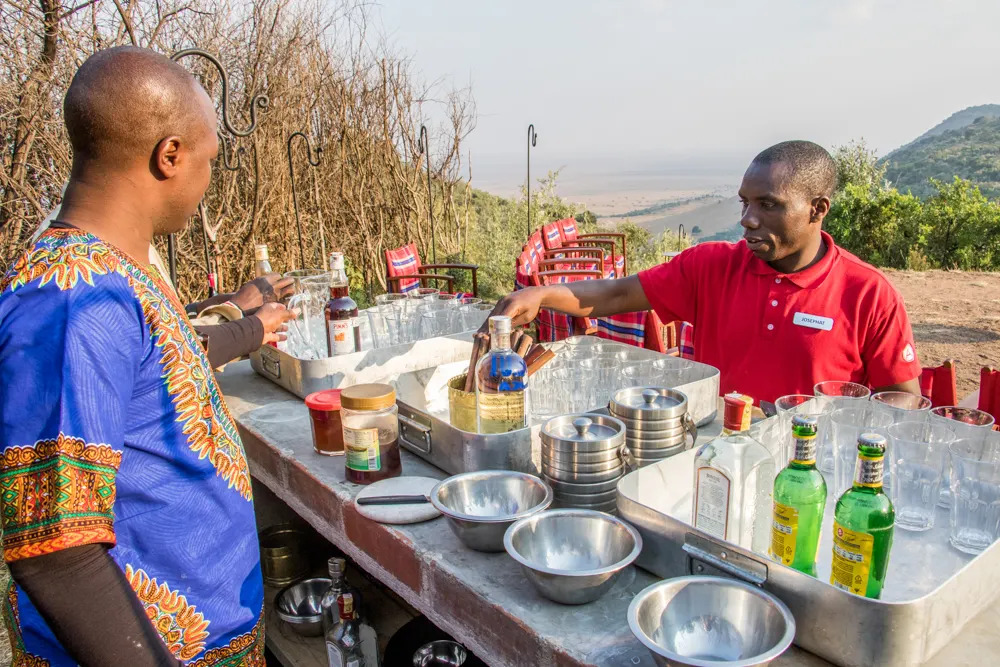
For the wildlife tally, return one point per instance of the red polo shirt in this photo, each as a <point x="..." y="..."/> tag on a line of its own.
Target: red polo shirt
<point x="772" y="333"/>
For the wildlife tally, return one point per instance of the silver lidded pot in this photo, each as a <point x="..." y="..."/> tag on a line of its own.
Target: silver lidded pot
<point x="657" y="423"/>
<point x="582" y="460"/>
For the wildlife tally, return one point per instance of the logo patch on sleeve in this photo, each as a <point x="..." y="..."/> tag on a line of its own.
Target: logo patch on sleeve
<point x="908" y="354"/>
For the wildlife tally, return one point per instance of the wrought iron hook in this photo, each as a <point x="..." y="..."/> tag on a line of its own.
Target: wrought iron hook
<point x="225" y="146"/>
<point x="295" y="197"/>
<point x="257" y="102"/>
<point x="532" y="140"/>
<point x="425" y="149"/>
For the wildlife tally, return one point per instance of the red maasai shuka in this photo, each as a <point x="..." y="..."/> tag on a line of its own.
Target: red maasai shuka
<point x="641" y="329"/>
<point x="989" y="391"/>
<point x="568" y="229"/>
<point x="403" y="262"/>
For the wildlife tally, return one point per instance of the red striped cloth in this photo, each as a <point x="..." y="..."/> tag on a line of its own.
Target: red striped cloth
<point x="552" y="236"/>
<point x="567" y="227"/>
<point x="686" y="336"/>
<point x="989" y="391"/>
<point x="403" y="262"/>
<point x="641" y="329"/>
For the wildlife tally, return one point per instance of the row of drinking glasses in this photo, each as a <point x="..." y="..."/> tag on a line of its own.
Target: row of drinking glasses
<point x="933" y="455"/>
<point x="423" y="313"/>
<point x="586" y="373"/>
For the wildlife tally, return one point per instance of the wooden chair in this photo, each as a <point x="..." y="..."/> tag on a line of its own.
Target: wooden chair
<point x="571" y="234"/>
<point x="532" y="270"/>
<point x="405" y="272"/>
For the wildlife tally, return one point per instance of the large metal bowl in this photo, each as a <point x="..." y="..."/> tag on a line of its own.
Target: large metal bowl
<point x="298" y="605"/>
<point x="480" y="506"/>
<point x="572" y="556"/>
<point x="710" y="622"/>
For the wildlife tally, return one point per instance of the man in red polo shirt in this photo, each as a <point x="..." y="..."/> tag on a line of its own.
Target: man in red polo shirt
<point x="777" y="312"/>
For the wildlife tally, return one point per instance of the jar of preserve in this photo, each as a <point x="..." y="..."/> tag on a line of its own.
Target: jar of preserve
<point x="371" y="433"/>
<point x="328" y="432"/>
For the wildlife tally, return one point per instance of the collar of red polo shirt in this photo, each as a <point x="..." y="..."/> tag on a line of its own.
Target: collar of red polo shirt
<point x="807" y="277"/>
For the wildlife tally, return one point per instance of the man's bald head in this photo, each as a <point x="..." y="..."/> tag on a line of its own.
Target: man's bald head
<point x="808" y="166"/>
<point x="123" y="101"/>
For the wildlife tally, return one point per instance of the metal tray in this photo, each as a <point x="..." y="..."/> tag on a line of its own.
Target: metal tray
<point x="425" y="428"/>
<point x="302" y="377"/>
<point x="931" y="589"/>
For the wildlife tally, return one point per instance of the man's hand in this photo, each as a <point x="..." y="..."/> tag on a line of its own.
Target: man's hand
<point x="521" y="306"/>
<point x="274" y="317"/>
<point x="266" y="289"/>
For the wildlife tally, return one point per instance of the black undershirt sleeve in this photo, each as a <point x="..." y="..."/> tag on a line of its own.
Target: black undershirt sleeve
<point x="90" y="607"/>
<point x="231" y="340"/>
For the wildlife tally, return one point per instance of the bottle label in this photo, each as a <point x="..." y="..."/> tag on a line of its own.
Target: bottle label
<point x="805" y="450"/>
<point x="869" y="470"/>
<point x="341" y="336"/>
<point x="361" y="449"/>
<point x="852" y="560"/>
<point x="504" y="410"/>
<point x="711" y="501"/>
<point x="333" y="655"/>
<point x="784" y="532"/>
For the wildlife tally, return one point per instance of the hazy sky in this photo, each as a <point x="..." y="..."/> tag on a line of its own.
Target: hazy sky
<point x="699" y="82"/>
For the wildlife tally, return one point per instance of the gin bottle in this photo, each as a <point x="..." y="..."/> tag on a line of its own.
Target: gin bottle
<point x="343" y="330"/>
<point x="343" y="640"/>
<point x="799" y="502"/>
<point x="862" y="525"/>
<point x="501" y="383"/>
<point x="733" y="478"/>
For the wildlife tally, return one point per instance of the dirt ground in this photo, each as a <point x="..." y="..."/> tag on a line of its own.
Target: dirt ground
<point x="955" y="315"/>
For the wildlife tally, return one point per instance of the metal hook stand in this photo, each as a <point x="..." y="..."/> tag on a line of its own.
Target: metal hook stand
<point x="681" y="231"/>
<point x="425" y="150"/>
<point x="295" y="198"/>
<point x="256" y="102"/>
<point x="209" y="237"/>
<point x="532" y="140"/>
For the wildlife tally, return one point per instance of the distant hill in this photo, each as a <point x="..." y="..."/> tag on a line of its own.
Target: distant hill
<point x="967" y="145"/>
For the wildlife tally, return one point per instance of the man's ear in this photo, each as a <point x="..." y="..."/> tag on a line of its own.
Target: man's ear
<point x="820" y="207"/>
<point x="166" y="157"/>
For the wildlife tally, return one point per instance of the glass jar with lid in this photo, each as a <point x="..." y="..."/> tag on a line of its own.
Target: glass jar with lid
<point x="371" y="433"/>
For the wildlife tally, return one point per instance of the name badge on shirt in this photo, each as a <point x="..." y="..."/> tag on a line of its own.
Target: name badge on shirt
<point x="813" y="321"/>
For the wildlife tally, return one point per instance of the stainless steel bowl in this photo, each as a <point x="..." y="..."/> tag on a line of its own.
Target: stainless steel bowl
<point x="582" y="464"/>
<point x="583" y="477"/>
<point x="710" y="622"/>
<point x="298" y="605"/>
<point x="574" y="499"/>
<point x="570" y="487"/>
<point x="572" y="556"/>
<point x="480" y="506"/>
<point x="442" y="653"/>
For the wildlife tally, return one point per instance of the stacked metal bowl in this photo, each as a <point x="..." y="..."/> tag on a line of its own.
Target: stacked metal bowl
<point x="582" y="460"/>
<point x="656" y="421"/>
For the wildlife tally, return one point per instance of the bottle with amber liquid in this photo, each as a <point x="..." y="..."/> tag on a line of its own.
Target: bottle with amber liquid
<point x="343" y="329"/>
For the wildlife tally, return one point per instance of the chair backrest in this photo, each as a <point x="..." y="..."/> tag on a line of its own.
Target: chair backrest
<point x="938" y="384"/>
<point x="552" y="236"/>
<point x="525" y="267"/>
<point x="403" y="261"/>
<point x="989" y="391"/>
<point x="567" y="227"/>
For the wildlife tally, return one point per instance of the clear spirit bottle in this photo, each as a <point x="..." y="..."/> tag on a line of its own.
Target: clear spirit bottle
<point x="799" y="502"/>
<point x="501" y="383"/>
<point x="733" y="479"/>
<point x="862" y="525"/>
<point x="343" y="329"/>
<point x="261" y="264"/>
<point x="343" y="640"/>
<point x="328" y="604"/>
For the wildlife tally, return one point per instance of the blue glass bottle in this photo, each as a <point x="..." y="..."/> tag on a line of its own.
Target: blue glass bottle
<point x="501" y="383"/>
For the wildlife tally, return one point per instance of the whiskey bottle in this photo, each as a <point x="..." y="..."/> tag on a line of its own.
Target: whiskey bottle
<point x="501" y="383"/>
<point x="343" y="329"/>
<point x="262" y="265"/>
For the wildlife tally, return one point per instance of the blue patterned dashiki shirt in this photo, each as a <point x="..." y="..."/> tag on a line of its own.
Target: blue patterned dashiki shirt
<point x="114" y="431"/>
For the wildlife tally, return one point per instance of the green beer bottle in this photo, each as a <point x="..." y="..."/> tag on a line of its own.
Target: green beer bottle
<point x="862" y="525"/>
<point x="799" y="501"/>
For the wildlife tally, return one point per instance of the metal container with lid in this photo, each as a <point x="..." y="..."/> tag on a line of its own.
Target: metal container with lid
<point x="582" y="459"/>
<point x="656" y="421"/>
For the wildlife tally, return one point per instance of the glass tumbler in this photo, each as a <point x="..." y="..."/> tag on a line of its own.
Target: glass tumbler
<point x="605" y="376"/>
<point x="919" y="467"/>
<point x="902" y="405"/>
<point x="847" y="425"/>
<point x="671" y="372"/>
<point x="975" y="490"/>
<point x="832" y="395"/>
<point x="967" y="424"/>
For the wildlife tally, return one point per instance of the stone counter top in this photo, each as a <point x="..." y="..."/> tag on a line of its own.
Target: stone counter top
<point x="483" y="600"/>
